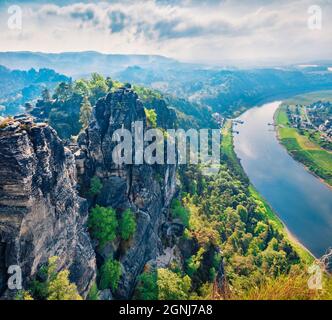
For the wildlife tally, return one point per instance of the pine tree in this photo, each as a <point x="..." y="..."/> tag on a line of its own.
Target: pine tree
<point x="85" y="112"/>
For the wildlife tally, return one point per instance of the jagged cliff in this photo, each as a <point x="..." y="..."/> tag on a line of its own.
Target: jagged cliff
<point x="146" y="189"/>
<point x="41" y="214"/>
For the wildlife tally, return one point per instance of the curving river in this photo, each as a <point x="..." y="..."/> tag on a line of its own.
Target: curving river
<point x="302" y="202"/>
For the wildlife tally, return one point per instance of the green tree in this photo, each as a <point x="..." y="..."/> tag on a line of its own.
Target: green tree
<point x="56" y="285"/>
<point x="60" y="288"/>
<point x="103" y="224"/>
<point x="178" y="211"/>
<point x="98" y="87"/>
<point x="23" y="295"/>
<point x="110" y="274"/>
<point x="172" y="286"/>
<point x="147" y="288"/>
<point x="95" y="186"/>
<point x="242" y="212"/>
<point x="85" y="112"/>
<point x="93" y="293"/>
<point x="81" y="87"/>
<point x="127" y="225"/>
<point x="63" y="91"/>
<point x="109" y="83"/>
<point x="194" y="262"/>
<point x="151" y="117"/>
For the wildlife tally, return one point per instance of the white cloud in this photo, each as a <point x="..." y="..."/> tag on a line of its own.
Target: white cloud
<point x="207" y="31"/>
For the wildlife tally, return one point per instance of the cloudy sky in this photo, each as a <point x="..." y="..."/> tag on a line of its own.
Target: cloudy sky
<point x="210" y="31"/>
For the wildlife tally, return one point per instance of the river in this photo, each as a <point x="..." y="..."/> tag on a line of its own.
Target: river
<point x="301" y="200"/>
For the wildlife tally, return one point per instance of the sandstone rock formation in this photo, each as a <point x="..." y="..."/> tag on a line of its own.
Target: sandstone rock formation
<point x="41" y="214"/>
<point x="146" y="189"/>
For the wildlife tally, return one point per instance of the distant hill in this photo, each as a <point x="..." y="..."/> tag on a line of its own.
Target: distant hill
<point x="77" y="64"/>
<point x="225" y="90"/>
<point x="229" y="91"/>
<point x="18" y="87"/>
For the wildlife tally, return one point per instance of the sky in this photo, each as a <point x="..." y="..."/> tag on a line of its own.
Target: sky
<point x="206" y="31"/>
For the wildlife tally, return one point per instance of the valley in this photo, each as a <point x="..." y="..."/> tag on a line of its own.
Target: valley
<point x="156" y="231"/>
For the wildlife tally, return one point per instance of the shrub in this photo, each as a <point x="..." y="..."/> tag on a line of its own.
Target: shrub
<point x="23" y="295"/>
<point x="103" y="224"/>
<point x="178" y="211"/>
<point x="110" y="274"/>
<point x="95" y="186"/>
<point x="147" y="288"/>
<point x="151" y="117"/>
<point x="127" y="225"/>
<point x="194" y="262"/>
<point x="93" y="293"/>
<point x="172" y="286"/>
<point x="56" y="285"/>
<point x="242" y="212"/>
<point x="60" y="288"/>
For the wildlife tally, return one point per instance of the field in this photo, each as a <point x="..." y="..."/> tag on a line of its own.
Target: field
<point x="303" y="149"/>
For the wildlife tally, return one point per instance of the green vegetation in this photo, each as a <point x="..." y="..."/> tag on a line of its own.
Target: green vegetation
<point x="53" y="286"/>
<point x="95" y="186"/>
<point x="85" y="112"/>
<point x="194" y="262"/>
<point x="229" y="221"/>
<point x="180" y="212"/>
<point x="23" y="295"/>
<point x="147" y="288"/>
<point x="103" y="224"/>
<point x="110" y="274"/>
<point x="171" y="286"/>
<point x="227" y="151"/>
<point x="293" y="286"/>
<point x="151" y="117"/>
<point x="127" y="225"/>
<point x="93" y="293"/>
<point x="302" y="148"/>
<point x="70" y="108"/>
<point x="147" y="94"/>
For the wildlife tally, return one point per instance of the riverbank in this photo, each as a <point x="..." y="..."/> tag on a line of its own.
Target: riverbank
<point x="316" y="160"/>
<point x="228" y="149"/>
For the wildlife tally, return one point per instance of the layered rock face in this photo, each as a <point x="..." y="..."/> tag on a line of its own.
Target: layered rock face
<point x="41" y="214"/>
<point x="146" y="189"/>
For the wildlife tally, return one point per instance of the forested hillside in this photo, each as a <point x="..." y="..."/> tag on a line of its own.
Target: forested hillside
<point x="19" y="87"/>
<point x="230" y="91"/>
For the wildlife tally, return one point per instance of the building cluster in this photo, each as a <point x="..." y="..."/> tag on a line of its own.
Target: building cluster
<point x="320" y="114"/>
<point x="316" y="116"/>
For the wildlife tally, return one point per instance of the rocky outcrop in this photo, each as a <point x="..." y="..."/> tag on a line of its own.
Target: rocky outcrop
<point x="41" y="214"/>
<point x="146" y="189"/>
<point x="326" y="260"/>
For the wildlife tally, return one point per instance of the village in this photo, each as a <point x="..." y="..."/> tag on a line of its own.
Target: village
<point x="314" y="119"/>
